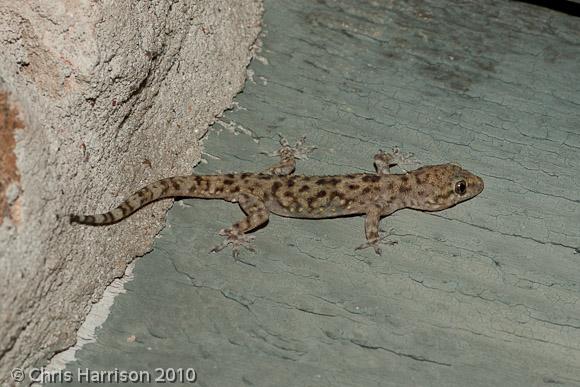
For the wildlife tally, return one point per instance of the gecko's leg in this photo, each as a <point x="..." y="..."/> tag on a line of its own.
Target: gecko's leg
<point x="288" y="155"/>
<point x="372" y="220"/>
<point x="257" y="214"/>
<point x="383" y="162"/>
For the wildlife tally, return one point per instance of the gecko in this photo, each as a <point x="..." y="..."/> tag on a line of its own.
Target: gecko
<point x="279" y="191"/>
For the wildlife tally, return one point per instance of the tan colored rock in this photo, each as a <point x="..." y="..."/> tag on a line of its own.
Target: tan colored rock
<point x="97" y="99"/>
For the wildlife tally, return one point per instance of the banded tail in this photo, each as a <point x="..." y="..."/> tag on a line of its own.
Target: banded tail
<point x="178" y="186"/>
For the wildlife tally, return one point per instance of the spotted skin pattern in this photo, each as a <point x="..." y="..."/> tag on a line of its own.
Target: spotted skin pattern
<point x="279" y="191"/>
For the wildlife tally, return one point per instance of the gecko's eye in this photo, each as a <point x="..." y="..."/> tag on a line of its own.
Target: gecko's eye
<point x="460" y="187"/>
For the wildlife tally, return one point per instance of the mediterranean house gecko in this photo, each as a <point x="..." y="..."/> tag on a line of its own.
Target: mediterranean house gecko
<point x="277" y="190"/>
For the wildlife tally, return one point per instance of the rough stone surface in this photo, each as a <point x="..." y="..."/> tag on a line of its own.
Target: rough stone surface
<point x="101" y="97"/>
<point x="483" y="294"/>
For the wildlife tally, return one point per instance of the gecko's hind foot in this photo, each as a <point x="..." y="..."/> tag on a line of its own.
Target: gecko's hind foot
<point x="296" y="151"/>
<point x="288" y="155"/>
<point x="236" y="240"/>
<point x="376" y="244"/>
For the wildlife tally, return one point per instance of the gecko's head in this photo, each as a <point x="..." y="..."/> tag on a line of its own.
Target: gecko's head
<point x="443" y="186"/>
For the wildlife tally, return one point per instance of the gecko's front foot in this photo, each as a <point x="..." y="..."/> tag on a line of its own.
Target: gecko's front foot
<point x="236" y="240"/>
<point x="385" y="161"/>
<point x="375" y="244"/>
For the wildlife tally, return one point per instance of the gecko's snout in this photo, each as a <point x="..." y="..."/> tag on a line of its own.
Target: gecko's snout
<point x="466" y="186"/>
<point x="472" y="186"/>
<point x="478" y="185"/>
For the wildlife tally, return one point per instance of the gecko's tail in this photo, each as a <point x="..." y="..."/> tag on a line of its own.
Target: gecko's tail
<point x="165" y="188"/>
